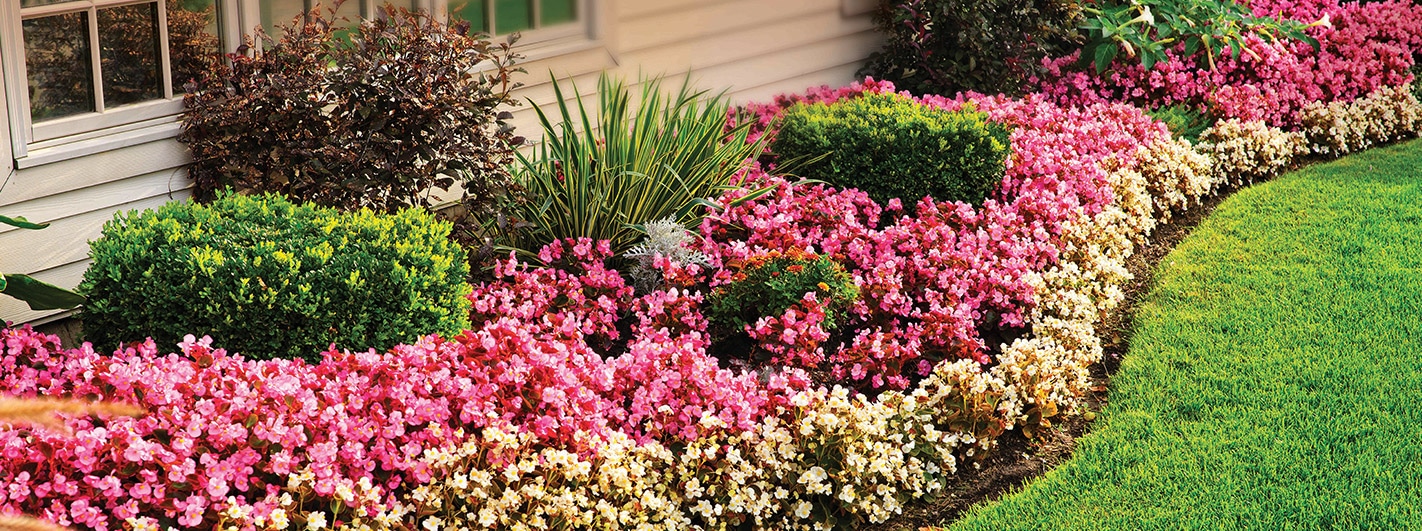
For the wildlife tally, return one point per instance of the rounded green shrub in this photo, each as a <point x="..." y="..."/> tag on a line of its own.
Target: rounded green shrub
<point x="768" y="284"/>
<point x="270" y="279"/>
<point x="892" y="147"/>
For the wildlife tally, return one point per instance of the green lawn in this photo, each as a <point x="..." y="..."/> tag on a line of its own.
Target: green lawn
<point x="1275" y="377"/>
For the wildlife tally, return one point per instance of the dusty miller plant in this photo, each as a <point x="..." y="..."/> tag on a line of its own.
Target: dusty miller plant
<point x="666" y="238"/>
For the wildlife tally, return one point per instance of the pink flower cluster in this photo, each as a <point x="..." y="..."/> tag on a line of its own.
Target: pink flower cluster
<point x="217" y="427"/>
<point x="658" y="383"/>
<point x="1368" y="46"/>
<point x="941" y="283"/>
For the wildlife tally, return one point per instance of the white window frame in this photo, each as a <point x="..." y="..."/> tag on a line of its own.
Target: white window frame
<point x="580" y="29"/>
<point x="92" y="132"/>
<point x="27" y="135"/>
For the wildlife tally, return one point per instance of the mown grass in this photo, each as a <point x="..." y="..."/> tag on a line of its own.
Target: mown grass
<point x="1274" y="380"/>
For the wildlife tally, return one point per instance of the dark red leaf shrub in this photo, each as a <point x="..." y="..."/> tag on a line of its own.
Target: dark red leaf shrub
<point x="407" y="103"/>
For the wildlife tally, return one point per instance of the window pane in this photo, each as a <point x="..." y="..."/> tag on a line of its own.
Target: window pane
<point x="193" y="46"/>
<point x="349" y="10"/>
<point x="512" y="15"/>
<point x="471" y="11"/>
<point x="277" y="13"/>
<point x="33" y="3"/>
<point x="558" y="11"/>
<point x="128" y="54"/>
<point x="57" y="63"/>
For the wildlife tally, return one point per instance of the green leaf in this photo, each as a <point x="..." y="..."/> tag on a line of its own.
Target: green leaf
<point x="1104" y="55"/>
<point x="39" y="295"/>
<point x="1192" y="45"/>
<point x="753" y="195"/>
<point x="21" y="222"/>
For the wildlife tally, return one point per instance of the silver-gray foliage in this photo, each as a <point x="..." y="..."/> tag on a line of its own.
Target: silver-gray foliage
<point x="665" y="238"/>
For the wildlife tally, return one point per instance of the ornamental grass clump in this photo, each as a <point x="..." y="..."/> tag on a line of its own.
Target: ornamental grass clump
<point x="630" y="161"/>
<point x="273" y="279"/>
<point x="894" y="148"/>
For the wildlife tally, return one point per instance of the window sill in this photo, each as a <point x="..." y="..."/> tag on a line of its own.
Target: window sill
<point x="851" y="8"/>
<point x="41" y="153"/>
<point x="549" y="49"/>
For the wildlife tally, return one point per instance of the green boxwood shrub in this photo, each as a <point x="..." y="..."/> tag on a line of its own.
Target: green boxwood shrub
<point x="891" y="147"/>
<point x="271" y="279"/>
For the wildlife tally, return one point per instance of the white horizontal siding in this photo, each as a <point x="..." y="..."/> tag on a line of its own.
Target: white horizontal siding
<point x="701" y="20"/>
<point x="115" y="165"/>
<point x="65" y="275"/>
<point x="76" y="196"/>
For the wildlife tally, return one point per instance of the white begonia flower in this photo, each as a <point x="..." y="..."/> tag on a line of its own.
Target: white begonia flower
<point x="344" y="493"/>
<point x="846" y="494"/>
<point x="316" y="520"/>
<point x="278" y="519"/>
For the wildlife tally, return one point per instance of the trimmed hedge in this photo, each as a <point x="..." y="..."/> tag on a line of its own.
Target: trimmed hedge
<point x="272" y="279"/>
<point x="892" y="147"/>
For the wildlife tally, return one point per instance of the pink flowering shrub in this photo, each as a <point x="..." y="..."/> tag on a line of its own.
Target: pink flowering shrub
<point x="1368" y="46"/>
<point x="218" y="427"/>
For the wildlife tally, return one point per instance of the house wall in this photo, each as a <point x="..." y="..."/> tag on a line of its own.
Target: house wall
<point x="752" y="48"/>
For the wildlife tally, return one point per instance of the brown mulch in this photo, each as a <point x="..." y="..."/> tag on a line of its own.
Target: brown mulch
<point x="1018" y="459"/>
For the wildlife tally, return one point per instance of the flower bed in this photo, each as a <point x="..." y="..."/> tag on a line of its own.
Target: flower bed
<point x="577" y="401"/>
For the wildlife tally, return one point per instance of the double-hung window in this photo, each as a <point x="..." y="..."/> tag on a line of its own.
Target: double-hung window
<point x="77" y="66"/>
<point x="538" y="21"/>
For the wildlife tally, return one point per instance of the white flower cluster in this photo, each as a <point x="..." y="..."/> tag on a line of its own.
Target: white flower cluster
<point x="1046" y="372"/>
<point x="868" y="456"/>
<point x="1243" y="152"/>
<point x="1177" y="175"/>
<point x="1339" y="128"/>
